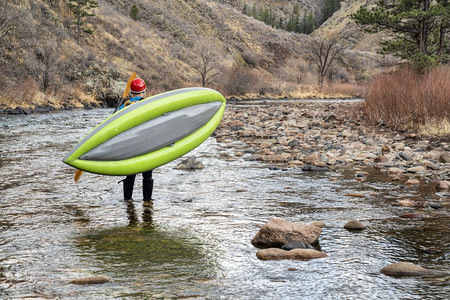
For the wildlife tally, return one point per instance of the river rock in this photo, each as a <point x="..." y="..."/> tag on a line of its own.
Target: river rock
<point x="417" y="169"/>
<point x="277" y="231"/>
<point x="381" y="159"/>
<point x="311" y="158"/>
<point x="296" y="245"/>
<point x="395" y="171"/>
<point x="385" y="149"/>
<point x="442" y="185"/>
<point x="430" y="165"/>
<point x="91" y="280"/>
<point x="406" y="203"/>
<point x="445" y="158"/>
<point x="309" y="168"/>
<point x="190" y="164"/>
<point x="295" y="254"/>
<point x="411" y="216"/>
<point x="412" y="181"/>
<point x="320" y="224"/>
<point x="354" y="225"/>
<point x="404" y="156"/>
<point x="405" y="269"/>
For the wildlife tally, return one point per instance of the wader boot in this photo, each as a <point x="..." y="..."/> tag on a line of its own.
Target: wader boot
<point x="128" y="184"/>
<point x="147" y="189"/>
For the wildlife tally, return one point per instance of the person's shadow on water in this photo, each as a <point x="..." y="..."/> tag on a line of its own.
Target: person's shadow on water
<point x="147" y="214"/>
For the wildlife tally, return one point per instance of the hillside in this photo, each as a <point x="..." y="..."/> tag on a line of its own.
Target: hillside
<point x="45" y="66"/>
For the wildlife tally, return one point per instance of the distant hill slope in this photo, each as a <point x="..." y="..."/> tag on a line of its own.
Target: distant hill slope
<point x="162" y="46"/>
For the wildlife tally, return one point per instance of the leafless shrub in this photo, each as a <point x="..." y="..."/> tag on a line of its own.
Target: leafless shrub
<point x="239" y="80"/>
<point x="44" y="65"/>
<point x="14" y="31"/>
<point x="405" y="99"/>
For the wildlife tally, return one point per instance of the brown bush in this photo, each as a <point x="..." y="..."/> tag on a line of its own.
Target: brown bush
<point x="23" y="93"/>
<point x="405" y="99"/>
<point x="239" y="80"/>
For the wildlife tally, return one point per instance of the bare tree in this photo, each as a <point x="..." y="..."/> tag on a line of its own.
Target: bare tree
<point x="44" y="64"/>
<point x="6" y="24"/>
<point x="10" y="25"/>
<point x="323" y="53"/>
<point x="206" y="66"/>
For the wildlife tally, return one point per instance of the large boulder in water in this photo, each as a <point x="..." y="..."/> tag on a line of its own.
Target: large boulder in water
<point x="277" y="232"/>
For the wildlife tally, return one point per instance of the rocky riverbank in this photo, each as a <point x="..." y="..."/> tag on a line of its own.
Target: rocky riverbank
<point x="19" y="110"/>
<point x="324" y="136"/>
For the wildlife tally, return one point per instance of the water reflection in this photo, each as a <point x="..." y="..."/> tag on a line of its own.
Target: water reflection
<point x="147" y="214"/>
<point x="173" y="262"/>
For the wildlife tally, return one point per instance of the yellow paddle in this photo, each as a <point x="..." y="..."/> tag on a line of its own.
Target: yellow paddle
<point x="79" y="172"/>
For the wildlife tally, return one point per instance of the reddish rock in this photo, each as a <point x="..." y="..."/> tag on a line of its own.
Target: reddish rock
<point x="405" y="269"/>
<point x="91" y="280"/>
<point x="381" y="159"/>
<point x="407" y="203"/>
<point x="357" y="195"/>
<point x="442" y="185"/>
<point x="295" y="254"/>
<point x="411" y="216"/>
<point x="412" y="181"/>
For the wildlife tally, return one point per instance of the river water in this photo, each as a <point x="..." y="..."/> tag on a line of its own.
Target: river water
<point x="195" y="241"/>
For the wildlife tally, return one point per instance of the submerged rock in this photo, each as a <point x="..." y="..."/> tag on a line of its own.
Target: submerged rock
<point x="190" y="164"/>
<point x="405" y="269"/>
<point x="320" y="224"/>
<point x="406" y="203"/>
<point x="411" y="216"/>
<point x="354" y="225"/>
<point x="296" y="245"/>
<point x="91" y="280"/>
<point x="295" y="254"/>
<point x="277" y="232"/>
<point x="309" y="168"/>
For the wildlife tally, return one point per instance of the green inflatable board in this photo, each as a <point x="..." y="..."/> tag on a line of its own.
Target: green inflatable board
<point x="149" y="133"/>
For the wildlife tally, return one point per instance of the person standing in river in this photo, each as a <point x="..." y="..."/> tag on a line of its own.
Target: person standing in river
<point x="138" y="89"/>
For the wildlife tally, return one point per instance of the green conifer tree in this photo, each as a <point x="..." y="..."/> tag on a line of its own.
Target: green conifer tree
<point x="134" y="13"/>
<point x="81" y="10"/>
<point x="419" y="29"/>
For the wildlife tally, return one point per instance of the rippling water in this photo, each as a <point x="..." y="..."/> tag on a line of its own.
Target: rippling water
<point x="195" y="241"/>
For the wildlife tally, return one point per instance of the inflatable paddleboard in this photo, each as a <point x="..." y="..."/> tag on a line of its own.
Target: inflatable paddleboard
<point x="149" y="133"/>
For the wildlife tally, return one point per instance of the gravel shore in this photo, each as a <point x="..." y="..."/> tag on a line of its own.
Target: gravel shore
<point x="328" y="135"/>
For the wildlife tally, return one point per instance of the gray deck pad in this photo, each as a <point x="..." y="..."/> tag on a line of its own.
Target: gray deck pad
<point x="154" y="134"/>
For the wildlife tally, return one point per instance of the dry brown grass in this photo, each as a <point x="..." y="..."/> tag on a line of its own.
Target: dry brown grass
<point x="347" y="90"/>
<point x="405" y="99"/>
<point x="23" y="94"/>
<point x="440" y="128"/>
<point x="330" y="91"/>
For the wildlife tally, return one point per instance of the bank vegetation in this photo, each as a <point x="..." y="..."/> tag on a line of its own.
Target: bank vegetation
<point x="65" y="54"/>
